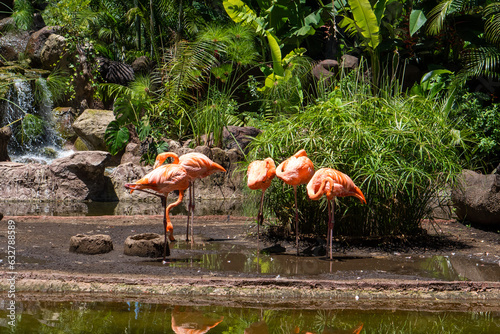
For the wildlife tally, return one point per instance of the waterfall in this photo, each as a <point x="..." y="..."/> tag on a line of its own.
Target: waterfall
<point x="29" y="113"/>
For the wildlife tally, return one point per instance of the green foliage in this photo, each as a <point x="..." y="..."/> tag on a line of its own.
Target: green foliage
<point x="400" y="151"/>
<point x="482" y="118"/>
<point x="31" y="129"/>
<point x="23" y="14"/>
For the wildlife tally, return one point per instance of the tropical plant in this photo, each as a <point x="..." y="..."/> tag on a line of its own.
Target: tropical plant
<point x="399" y="150"/>
<point x="23" y="14"/>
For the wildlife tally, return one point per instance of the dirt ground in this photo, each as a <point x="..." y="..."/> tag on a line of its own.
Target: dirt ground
<point x="44" y="263"/>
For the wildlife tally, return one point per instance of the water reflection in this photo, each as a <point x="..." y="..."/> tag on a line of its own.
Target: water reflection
<point x="138" y="317"/>
<point x="152" y="207"/>
<point x="190" y="321"/>
<point x="225" y="257"/>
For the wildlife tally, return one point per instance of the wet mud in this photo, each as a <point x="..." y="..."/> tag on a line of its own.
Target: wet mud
<point x="455" y="264"/>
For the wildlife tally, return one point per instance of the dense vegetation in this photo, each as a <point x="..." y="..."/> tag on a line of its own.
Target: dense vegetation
<point x="401" y="138"/>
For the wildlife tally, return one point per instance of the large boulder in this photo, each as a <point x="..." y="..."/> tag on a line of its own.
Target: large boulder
<point x="82" y="175"/>
<point x="238" y="137"/>
<point x="77" y="177"/>
<point x="5" y="134"/>
<point x="36" y="43"/>
<point x="476" y="198"/>
<point x="53" y="53"/>
<point x="129" y="173"/>
<point x="325" y="70"/>
<point x="12" y="44"/>
<point x="91" y="125"/>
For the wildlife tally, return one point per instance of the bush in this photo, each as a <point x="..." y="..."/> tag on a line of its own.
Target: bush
<point x="477" y="115"/>
<point x="401" y="151"/>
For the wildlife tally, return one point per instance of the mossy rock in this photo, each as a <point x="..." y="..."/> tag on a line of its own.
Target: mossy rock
<point x="80" y="145"/>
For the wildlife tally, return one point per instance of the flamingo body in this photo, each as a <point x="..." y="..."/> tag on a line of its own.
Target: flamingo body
<point x="260" y="173"/>
<point x="332" y="183"/>
<point x="163" y="180"/>
<point x="197" y="166"/>
<point x="296" y="170"/>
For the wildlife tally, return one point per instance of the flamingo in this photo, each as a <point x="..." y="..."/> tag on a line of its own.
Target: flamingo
<point x="332" y="183"/>
<point x="161" y="181"/>
<point x="260" y="173"/>
<point x="198" y="166"/>
<point x="294" y="171"/>
<point x="192" y="321"/>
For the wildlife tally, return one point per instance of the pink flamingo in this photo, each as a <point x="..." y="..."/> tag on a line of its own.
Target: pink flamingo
<point x="197" y="166"/>
<point x="332" y="183"/>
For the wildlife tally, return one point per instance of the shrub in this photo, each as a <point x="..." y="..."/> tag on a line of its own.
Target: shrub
<point x="401" y="151"/>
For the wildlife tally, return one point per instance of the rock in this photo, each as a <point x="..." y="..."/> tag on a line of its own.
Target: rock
<point x="36" y="43"/>
<point x="476" y="198"/>
<point x="64" y="118"/>
<point x="325" y="69"/>
<point x="275" y="249"/>
<point x="77" y="177"/>
<point x="12" y="44"/>
<point x="132" y="154"/>
<point x="7" y="24"/>
<point x="129" y="173"/>
<point x="91" y="125"/>
<point x="81" y="175"/>
<point x="349" y="62"/>
<point x="5" y="134"/>
<point x="90" y="244"/>
<point x="145" y="245"/>
<point x="143" y="65"/>
<point x="239" y="137"/>
<point x="115" y="71"/>
<point x="52" y="50"/>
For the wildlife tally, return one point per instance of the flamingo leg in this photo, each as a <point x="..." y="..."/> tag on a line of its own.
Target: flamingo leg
<point x="296" y="220"/>
<point x="330" y="226"/>
<point x="260" y="216"/>
<point x="166" y="248"/>
<point x="192" y="212"/>
<point x="189" y="211"/>
<point x="329" y="221"/>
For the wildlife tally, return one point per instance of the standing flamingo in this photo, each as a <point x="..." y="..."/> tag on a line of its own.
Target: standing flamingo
<point x="260" y="173"/>
<point x="296" y="170"/>
<point x="198" y="166"/>
<point x="161" y="181"/>
<point x="332" y="183"/>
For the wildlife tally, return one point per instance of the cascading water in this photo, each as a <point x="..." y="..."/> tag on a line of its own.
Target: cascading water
<point x="34" y="138"/>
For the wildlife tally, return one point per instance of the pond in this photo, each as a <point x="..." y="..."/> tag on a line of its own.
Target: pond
<point x="133" y="316"/>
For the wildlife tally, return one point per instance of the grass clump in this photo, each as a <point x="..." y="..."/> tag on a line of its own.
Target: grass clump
<point x="400" y="150"/>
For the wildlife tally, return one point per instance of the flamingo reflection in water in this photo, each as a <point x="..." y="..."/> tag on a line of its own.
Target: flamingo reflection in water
<point x="192" y="322"/>
<point x="355" y="330"/>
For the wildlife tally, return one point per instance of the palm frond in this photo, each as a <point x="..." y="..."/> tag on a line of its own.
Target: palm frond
<point x="483" y="61"/>
<point x="492" y="24"/>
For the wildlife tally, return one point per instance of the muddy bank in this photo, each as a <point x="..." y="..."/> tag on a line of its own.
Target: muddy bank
<point x="45" y="265"/>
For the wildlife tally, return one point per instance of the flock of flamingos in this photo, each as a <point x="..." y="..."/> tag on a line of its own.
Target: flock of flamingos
<point x="181" y="173"/>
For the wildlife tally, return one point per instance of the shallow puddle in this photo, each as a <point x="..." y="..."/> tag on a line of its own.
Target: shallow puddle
<point x="235" y="259"/>
<point x="138" y="317"/>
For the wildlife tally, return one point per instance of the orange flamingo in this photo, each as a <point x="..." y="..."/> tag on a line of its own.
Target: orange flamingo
<point x="296" y="170"/>
<point x="198" y="166"/>
<point x="260" y="173"/>
<point x="192" y="321"/>
<point x="332" y="183"/>
<point x="355" y="330"/>
<point x="161" y="181"/>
